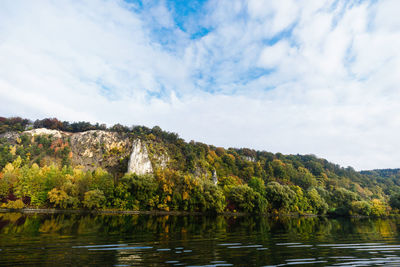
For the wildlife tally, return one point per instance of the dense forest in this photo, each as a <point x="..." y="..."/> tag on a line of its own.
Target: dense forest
<point x="37" y="172"/>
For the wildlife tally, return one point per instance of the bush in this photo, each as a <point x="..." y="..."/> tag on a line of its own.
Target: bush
<point x="15" y="205"/>
<point x="214" y="198"/>
<point x="317" y="203"/>
<point x="4" y="188"/>
<point x="395" y="201"/>
<point x="58" y="197"/>
<point x="361" y="208"/>
<point x="281" y="197"/>
<point x="244" y="198"/>
<point x="379" y="208"/>
<point x="142" y="189"/>
<point x="94" y="199"/>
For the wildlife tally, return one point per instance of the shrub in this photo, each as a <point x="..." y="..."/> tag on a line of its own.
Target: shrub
<point x="379" y="208"/>
<point x="93" y="199"/>
<point x="4" y="188"/>
<point x="361" y="208"/>
<point x="281" y="197"/>
<point x="15" y="205"/>
<point x="317" y="203"/>
<point x="58" y="197"/>
<point x="244" y="198"/>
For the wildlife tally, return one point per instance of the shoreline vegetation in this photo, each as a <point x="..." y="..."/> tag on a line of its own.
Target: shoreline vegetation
<point x="39" y="171"/>
<point x="30" y="210"/>
<point x="173" y="213"/>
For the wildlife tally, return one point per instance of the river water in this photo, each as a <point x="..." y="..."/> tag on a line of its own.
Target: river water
<point x="148" y="240"/>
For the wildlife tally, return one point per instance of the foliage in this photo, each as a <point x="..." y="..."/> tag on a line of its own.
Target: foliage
<point x="361" y="208"/>
<point x="94" y="199"/>
<point x="58" y="197"/>
<point x="395" y="201"/>
<point x="379" y="208"/>
<point x="246" y="199"/>
<point x="15" y="205"/>
<point x="317" y="203"/>
<point x="38" y="170"/>
<point x="280" y="197"/>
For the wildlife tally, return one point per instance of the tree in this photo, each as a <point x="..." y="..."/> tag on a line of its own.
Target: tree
<point x="94" y="199"/>
<point x="361" y="208"/>
<point x="318" y="204"/>
<point x="395" y="201"/>
<point x="379" y="208"/>
<point x="258" y="185"/>
<point x="58" y="197"/>
<point x="244" y="198"/>
<point x="279" y="196"/>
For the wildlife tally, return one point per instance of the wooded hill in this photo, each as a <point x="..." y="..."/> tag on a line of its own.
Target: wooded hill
<point x="38" y="171"/>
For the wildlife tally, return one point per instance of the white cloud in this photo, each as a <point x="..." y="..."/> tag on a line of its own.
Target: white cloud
<point x="272" y="56"/>
<point x="315" y="77"/>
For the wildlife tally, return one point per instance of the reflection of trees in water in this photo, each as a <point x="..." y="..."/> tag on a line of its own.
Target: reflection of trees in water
<point x="201" y="233"/>
<point x="183" y="227"/>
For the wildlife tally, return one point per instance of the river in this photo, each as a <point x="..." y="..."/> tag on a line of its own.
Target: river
<point x="149" y="240"/>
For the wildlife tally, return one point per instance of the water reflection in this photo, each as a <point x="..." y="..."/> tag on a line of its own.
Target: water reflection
<point x="129" y="240"/>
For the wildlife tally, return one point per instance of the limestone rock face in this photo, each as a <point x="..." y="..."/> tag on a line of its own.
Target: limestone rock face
<point x="10" y="136"/>
<point x="139" y="161"/>
<point x="44" y="131"/>
<point x="113" y="151"/>
<point x="96" y="148"/>
<point x="215" y="177"/>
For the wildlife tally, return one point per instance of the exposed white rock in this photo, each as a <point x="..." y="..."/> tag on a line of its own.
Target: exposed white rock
<point x="10" y="135"/>
<point x="248" y="158"/>
<point x="44" y="131"/>
<point x="139" y="161"/>
<point x="214" y="177"/>
<point x="97" y="148"/>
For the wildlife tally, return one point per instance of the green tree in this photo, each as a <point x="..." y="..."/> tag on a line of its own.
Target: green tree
<point x="280" y="197"/>
<point x="318" y="204"/>
<point x="361" y="208"/>
<point x="94" y="199"/>
<point x="246" y="199"/>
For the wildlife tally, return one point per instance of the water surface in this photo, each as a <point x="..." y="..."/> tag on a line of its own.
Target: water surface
<point x="148" y="240"/>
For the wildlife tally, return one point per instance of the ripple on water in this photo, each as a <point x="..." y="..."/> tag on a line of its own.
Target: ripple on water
<point x="300" y="246"/>
<point x="172" y="262"/>
<point x="350" y="245"/>
<point x="287" y="244"/>
<point x="230" y="244"/>
<point x="163" y="249"/>
<point x="121" y="248"/>
<point x="101" y="246"/>
<point x="246" y="246"/>
<point x="212" y="265"/>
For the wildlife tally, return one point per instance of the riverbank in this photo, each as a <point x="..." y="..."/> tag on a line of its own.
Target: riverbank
<point x="83" y="211"/>
<point x="154" y="212"/>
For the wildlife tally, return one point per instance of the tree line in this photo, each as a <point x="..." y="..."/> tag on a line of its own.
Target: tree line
<point x="39" y="173"/>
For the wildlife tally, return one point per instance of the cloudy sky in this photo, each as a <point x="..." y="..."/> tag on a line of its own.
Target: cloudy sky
<point x="310" y="77"/>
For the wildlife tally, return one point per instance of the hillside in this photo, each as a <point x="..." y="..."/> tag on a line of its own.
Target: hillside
<point x="49" y="163"/>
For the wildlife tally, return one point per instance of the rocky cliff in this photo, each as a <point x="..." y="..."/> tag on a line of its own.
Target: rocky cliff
<point x="139" y="161"/>
<point x="116" y="152"/>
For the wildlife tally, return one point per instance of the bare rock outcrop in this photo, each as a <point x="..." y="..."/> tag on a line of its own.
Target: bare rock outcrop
<point x="96" y="148"/>
<point x="44" y="131"/>
<point x="139" y="161"/>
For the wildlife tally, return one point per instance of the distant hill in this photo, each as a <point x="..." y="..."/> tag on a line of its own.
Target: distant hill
<point x="385" y="173"/>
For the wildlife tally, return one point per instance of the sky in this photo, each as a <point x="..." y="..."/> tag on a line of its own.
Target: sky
<point x="315" y="77"/>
